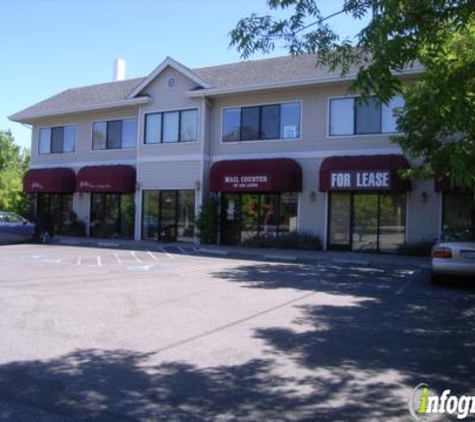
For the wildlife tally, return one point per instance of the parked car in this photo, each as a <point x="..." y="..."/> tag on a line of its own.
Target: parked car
<point x="454" y="254"/>
<point x="14" y="228"/>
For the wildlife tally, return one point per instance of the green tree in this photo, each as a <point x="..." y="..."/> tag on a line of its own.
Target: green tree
<point x="439" y="112"/>
<point x="13" y="164"/>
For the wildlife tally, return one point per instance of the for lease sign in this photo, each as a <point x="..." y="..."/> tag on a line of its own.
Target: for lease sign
<point x="360" y="180"/>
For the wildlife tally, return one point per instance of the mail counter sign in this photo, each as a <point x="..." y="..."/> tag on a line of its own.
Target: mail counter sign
<point x="360" y="180"/>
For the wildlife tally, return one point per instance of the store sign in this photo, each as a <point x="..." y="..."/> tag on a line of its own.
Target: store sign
<point x="257" y="181"/>
<point x="360" y="180"/>
<point x="100" y="186"/>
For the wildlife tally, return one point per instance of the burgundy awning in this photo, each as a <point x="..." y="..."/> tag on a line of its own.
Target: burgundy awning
<point x="51" y="180"/>
<point x="366" y="172"/>
<point x="268" y="175"/>
<point x="117" y="179"/>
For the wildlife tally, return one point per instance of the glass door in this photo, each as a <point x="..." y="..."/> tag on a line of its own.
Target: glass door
<point x="340" y="221"/>
<point x="365" y="222"/>
<point x="168" y="215"/>
<point x="230" y="219"/>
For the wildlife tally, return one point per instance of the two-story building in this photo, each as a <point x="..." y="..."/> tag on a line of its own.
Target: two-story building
<point x="279" y="140"/>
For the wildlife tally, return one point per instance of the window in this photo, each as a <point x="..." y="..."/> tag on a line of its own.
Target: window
<point x="350" y="117"/>
<point x="275" y="121"/>
<point x="171" y="127"/>
<point x="114" y="134"/>
<point x="57" y="140"/>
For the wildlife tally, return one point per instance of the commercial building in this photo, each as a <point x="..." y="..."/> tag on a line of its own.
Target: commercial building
<point x="279" y="140"/>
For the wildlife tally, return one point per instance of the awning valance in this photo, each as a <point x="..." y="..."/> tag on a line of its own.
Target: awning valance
<point x="363" y="173"/>
<point x="116" y="178"/>
<point x="266" y="175"/>
<point x="50" y="180"/>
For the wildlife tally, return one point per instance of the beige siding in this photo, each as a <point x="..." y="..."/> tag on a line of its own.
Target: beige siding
<point x="423" y="219"/>
<point x="165" y="99"/>
<point x="84" y="153"/>
<point x="314" y="132"/>
<point x="169" y="175"/>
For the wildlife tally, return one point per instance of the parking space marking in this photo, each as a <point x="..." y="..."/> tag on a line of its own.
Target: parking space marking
<point x="136" y="257"/>
<point x="79" y="261"/>
<point x="99" y="261"/>
<point x="119" y="261"/>
<point x="152" y="256"/>
<point x="166" y="253"/>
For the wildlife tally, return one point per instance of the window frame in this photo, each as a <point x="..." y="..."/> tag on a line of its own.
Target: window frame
<point x="261" y="106"/>
<point x="354" y="134"/>
<point x="40" y="128"/>
<point x="120" y="119"/>
<point x="162" y="114"/>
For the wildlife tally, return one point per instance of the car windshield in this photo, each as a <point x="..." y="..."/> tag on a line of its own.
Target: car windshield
<point x="462" y="233"/>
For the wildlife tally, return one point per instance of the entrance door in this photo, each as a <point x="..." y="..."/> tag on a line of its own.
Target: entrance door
<point x="168" y="215"/>
<point x="231" y="219"/>
<point x="365" y="222"/>
<point x="340" y="221"/>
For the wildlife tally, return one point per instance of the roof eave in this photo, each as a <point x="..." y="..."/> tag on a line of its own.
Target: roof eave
<point x="19" y="118"/>
<point x="288" y="84"/>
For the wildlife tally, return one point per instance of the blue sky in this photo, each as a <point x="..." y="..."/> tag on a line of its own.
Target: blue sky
<point x="48" y="46"/>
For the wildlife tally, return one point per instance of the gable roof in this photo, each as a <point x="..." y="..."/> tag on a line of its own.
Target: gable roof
<point x="168" y="62"/>
<point x="234" y="77"/>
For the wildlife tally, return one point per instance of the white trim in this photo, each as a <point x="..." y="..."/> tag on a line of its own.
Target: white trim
<point x="91" y="124"/>
<point x="441" y="213"/>
<point x="114" y="104"/>
<point x="159" y="69"/>
<point x="290" y="84"/>
<point x="252" y="141"/>
<point x="169" y="158"/>
<point x="78" y="164"/>
<point x="306" y="154"/>
<point x="408" y="219"/>
<point x="55" y="154"/>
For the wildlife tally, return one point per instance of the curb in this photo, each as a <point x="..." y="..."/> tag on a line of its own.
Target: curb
<point x="350" y="261"/>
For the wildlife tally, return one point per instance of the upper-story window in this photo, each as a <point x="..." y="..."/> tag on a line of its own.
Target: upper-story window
<point x="275" y="121"/>
<point x="171" y="127"/>
<point x="348" y="116"/>
<point x="57" y="140"/>
<point x="114" y="134"/>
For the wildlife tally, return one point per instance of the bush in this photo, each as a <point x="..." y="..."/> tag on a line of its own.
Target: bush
<point x="207" y="222"/>
<point x="294" y="240"/>
<point x="419" y="248"/>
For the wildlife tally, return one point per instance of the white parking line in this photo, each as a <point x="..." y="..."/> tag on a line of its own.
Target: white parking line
<point x="135" y="256"/>
<point x="119" y="261"/>
<point x="166" y="253"/>
<point x="412" y="276"/>
<point x="79" y="261"/>
<point x="152" y="256"/>
<point x="99" y="261"/>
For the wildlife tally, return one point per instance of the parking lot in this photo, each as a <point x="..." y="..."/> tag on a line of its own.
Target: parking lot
<point x="139" y="335"/>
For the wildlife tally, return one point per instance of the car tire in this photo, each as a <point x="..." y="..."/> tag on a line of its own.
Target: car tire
<point x="436" y="278"/>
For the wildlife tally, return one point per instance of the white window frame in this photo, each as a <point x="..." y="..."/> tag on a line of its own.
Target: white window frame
<point x="328" y="121"/>
<point x="91" y="145"/>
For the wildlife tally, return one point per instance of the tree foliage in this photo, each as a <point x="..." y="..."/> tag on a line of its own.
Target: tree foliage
<point x="439" y="110"/>
<point x="13" y="164"/>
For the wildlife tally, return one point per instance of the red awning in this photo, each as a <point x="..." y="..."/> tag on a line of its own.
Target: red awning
<point x="269" y="175"/>
<point x="366" y="172"/>
<point x="51" y="180"/>
<point x="117" y="179"/>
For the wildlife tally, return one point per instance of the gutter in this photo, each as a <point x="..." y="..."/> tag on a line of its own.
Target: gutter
<point x="102" y="106"/>
<point x="289" y="84"/>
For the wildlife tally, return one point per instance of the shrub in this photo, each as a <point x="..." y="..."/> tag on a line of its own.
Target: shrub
<point x="207" y="222"/>
<point x="294" y="240"/>
<point x="420" y="248"/>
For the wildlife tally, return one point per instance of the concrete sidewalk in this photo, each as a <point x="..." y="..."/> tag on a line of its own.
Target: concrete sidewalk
<point x="261" y="254"/>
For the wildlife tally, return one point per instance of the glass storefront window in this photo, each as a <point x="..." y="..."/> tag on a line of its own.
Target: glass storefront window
<point x="168" y="215"/>
<point x="244" y="216"/>
<point x="57" y="208"/>
<point x="150" y="211"/>
<point x="367" y="221"/>
<point x="186" y="216"/>
<point x="112" y="215"/>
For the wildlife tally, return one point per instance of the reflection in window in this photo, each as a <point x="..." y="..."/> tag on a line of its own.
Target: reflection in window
<point x="171" y="127"/>
<point x="57" y="140"/>
<point x="112" y="215"/>
<point x="114" y="134"/>
<point x="458" y="210"/>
